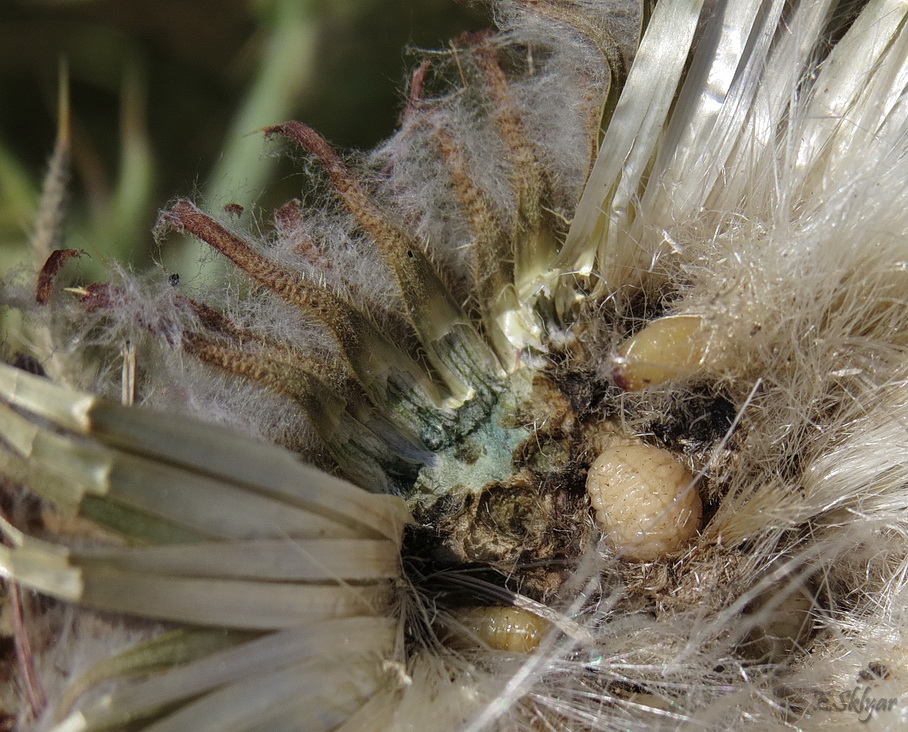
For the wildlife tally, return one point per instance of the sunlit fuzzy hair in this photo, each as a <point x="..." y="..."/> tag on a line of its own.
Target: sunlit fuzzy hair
<point x="730" y="293"/>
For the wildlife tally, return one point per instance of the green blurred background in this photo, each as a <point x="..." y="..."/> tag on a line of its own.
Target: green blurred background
<point x="165" y="93"/>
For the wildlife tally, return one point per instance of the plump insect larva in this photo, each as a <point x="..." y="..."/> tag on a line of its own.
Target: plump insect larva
<point x="665" y="349"/>
<point x="501" y="628"/>
<point x="645" y="501"/>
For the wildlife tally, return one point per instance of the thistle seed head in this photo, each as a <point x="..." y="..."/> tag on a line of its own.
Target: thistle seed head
<point x="696" y="335"/>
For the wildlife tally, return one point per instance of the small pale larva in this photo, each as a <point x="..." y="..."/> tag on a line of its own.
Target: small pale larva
<point x="501" y="628"/>
<point x="645" y="501"/>
<point x="665" y="349"/>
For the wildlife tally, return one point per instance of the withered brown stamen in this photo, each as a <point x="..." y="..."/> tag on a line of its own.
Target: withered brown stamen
<point x="484" y="223"/>
<point x="360" y="453"/>
<point x="288" y="217"/>
<point x="382" y="368"/>
<point x="492" y="264"/>
<point x="533" y="247"/>
<point x="325" y="306"/>
<point x="256" y="366"/>
<point x="288" y="359"/>
<point x="599" y="107"/>
<point x="51" y="269"/>
<point x="527" y="171"/>
<point x="211" y="320"/>
<point x="453" y="346"/>
<point x="416" y="91"/>
<point x="391" y="241"/>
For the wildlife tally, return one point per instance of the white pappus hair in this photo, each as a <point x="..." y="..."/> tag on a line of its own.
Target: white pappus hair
<point x="579" y="404"/>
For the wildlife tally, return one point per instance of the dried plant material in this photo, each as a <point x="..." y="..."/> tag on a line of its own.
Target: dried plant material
<point x="49" y="221"/>
<point x="415" y="327"/>
<point x="48" y="274"/>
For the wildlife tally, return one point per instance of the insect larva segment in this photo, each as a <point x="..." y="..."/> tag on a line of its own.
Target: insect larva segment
<point x="501" y="628"/>
<point x="665" y="349"/>
<point x="645" y="499"/>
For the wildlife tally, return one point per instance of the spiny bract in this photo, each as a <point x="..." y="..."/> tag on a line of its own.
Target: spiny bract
<point x="730" y="294"/>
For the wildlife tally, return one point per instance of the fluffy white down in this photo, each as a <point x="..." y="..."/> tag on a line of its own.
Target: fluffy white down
<point x="773" y="205"/>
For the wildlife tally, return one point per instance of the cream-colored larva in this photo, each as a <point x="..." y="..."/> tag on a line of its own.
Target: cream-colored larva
<point x="645" y="500"/>
<point x="665" y="349"/>
<point x="501" y="628"/>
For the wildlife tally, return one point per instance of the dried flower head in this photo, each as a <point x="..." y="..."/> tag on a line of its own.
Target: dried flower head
<point x="450" y="354"/>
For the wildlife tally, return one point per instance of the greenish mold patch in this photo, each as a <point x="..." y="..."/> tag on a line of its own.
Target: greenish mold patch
<point x="486" y="454"/>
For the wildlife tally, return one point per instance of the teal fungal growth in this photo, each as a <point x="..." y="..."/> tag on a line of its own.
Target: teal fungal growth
<point x="508" y="495"/>
<point x="484" y="456"/>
